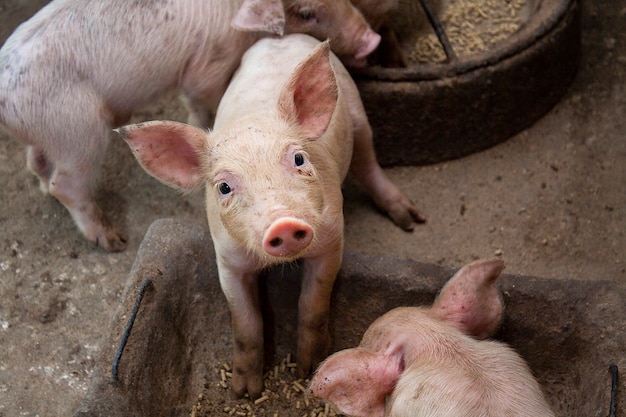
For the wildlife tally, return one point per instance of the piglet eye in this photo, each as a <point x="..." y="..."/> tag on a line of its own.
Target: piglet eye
<point x="298" y="159"/>
<point x="306" y="14"/>
<point x="224" y="188"/>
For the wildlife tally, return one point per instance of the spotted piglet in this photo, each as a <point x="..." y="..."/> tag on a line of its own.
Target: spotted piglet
<point x="434" y="361"/>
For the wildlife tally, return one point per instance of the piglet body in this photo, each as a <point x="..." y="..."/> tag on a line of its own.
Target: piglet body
<point x="287" y="131"/>
<point x="418" y="361"/>
<point x="79" y="67"/>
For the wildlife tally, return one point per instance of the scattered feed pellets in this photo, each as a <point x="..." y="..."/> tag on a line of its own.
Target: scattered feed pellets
<point x="472" y="26"/>
<point x="284" y="396"/>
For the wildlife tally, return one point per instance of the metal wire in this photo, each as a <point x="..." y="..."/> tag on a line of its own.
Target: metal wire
<point x="129" y="327"/>
<point x="438" y="27"/>
<point x="614" y="379"/>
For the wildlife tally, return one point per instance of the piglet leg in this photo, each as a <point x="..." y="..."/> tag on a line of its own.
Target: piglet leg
<point x="72" y="188"/>
<point x="67" y="146"/>
<point x="387" y="196"/>
<point x="68" y="173"/>
<point x="242" y="294"/>
<point x="40" y="165"/>
<point x="313" y="308"/>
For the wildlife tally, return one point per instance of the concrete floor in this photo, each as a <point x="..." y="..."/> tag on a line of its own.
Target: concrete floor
<point x="551" y="201"/>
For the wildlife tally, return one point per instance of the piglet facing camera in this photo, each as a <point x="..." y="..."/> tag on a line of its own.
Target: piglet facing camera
<point x="429" y="361"/>
<point x="288" y="129"/>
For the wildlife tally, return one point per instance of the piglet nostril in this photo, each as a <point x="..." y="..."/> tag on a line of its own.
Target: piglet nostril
<point x="300" y="234"/>
<point x="276" y="242"/>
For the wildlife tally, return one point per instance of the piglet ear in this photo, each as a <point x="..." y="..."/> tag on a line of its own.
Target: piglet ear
<point x="357" y="381"/>
<point x="310" y="97"/>
<point x="470" y="300"/>
<point x="260" y="16"/>
<point x="169" y="151"/>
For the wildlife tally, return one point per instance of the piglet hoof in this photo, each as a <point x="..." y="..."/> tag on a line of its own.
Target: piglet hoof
<point x="404" y="214"/>
<point x="108" y="239"/>
<point x="246" y="382"/>
<point x="311" y="354"/>
<point x="247" y="371"/>
<point x="116" y="244"/>
<point x="92" y="222"/>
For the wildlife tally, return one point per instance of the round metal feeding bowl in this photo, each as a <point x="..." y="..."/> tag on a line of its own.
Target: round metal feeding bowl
<point x="428" y="113"/>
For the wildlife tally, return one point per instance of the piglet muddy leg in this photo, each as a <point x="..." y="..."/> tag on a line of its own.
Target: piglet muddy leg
<point x="387" y="196"/>
<point x="69" y="171"/>
<point x="74" y="192"/>
<point x="242" y="295"/>
<point x="72" y="186"/>
<point x="313" y="308"/>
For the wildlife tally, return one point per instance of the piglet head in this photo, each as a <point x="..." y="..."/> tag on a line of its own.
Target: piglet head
<point x="359" y="381"/>
<point x="273" y="204"/>
<point x="351" y="38"/>
<point x="260" y="170"/>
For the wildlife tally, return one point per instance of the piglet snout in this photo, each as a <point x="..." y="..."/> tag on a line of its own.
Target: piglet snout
<point x="369" y="42"/>
<point x="287" y="236"/>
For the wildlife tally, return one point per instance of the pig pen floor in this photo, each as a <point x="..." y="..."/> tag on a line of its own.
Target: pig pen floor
<point x="551" y="201"/>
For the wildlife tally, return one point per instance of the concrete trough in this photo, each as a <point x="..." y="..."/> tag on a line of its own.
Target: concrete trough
<point x="569" y="331"/>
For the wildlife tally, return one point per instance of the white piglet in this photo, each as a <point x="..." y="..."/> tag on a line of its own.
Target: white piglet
<point x="283" y="142"/>
<point x="432" y="362"/>
<point x="79" y="67"/>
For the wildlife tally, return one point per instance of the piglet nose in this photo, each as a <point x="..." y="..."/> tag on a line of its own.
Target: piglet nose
<point x="370" y="41"/>
<point x="287" y="236"/>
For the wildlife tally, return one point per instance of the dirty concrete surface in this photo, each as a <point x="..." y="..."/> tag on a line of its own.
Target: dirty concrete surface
<point x="550" y="200"/>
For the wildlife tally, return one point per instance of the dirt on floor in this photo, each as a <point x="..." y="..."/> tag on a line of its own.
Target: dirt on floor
<point x="551" y="201"/>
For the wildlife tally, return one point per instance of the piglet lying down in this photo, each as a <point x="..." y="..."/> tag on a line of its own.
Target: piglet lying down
<point x="429" y="362"/>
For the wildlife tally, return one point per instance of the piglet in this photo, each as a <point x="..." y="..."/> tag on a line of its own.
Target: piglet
<point x="419" y="361"/>
<point x="79" y="67"/>
<point x="288" y="128"/>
